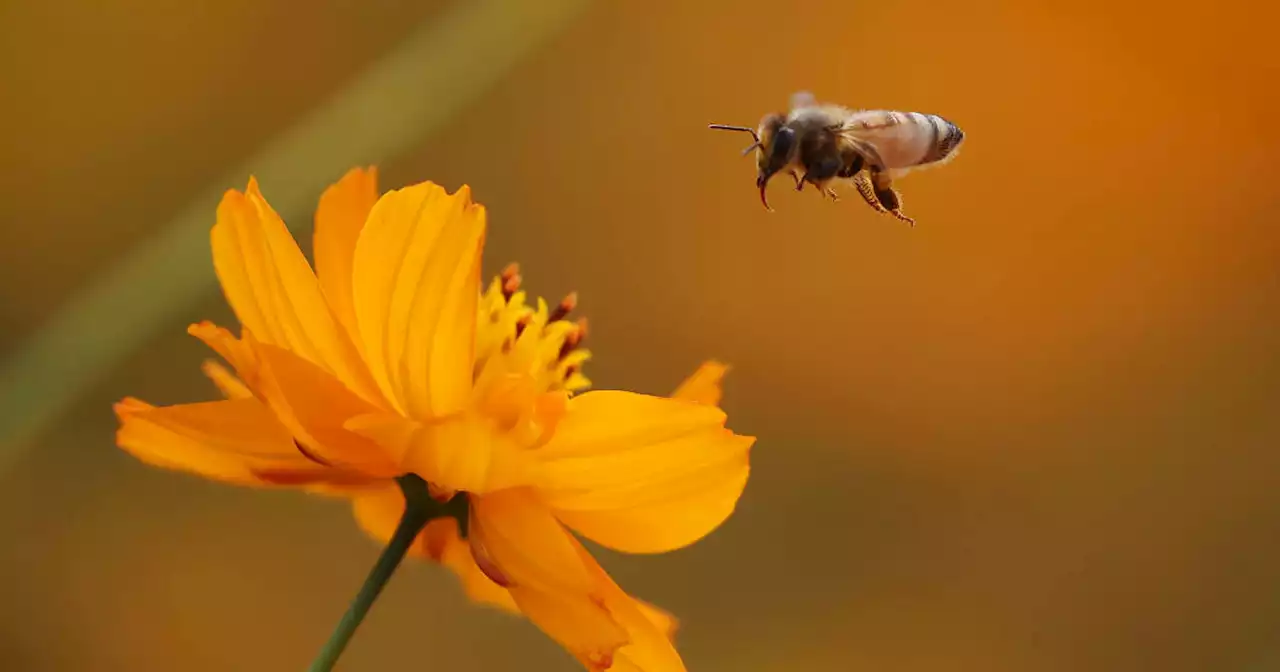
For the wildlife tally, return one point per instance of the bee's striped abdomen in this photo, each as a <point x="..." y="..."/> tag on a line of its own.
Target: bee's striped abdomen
<point x="945" y="138"/>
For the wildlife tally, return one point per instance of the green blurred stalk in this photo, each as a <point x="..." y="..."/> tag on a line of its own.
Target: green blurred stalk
<point x="410" y="93"/>
<point x="419" y="508"/>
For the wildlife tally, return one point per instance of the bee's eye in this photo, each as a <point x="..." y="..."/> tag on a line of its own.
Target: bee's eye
<point x="783" y="141"/>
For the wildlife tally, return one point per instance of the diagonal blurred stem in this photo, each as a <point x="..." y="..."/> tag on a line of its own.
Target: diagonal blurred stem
<point x="419" y="508"/>
<point x="415" y="90"/>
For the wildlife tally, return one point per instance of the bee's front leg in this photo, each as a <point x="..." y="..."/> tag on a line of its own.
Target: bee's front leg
<point x="823" y="188"/>
<point x="819" y="172"/>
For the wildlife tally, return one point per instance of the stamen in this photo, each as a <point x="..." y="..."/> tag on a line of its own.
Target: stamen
<point x="541" y="345"/>
<point x="510" y="280"/>
<point x="566" y="306"/>
<point x="574" y="339"/>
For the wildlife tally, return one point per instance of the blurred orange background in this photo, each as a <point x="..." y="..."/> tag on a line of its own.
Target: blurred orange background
<point x="1037" y="432"/>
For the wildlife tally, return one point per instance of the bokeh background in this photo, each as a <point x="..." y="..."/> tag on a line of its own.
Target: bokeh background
<point x="1036" y="433"/>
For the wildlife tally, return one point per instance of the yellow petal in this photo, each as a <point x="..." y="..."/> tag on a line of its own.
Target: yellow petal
<point x="539" y="562"/>
<point x="416" y="283"/>
<point x="273" y="292"/>
<point x="530" y="546"/>
<point x="659" y="617"/>
<point x="235" y="351"/>
<point x="703" y="386"/>
<point x="341" y="215"/>
<point x="458" y="453"/>
<point x="584" y="627"/>
<point x="237" y="441"/>
<point x="649" y="629"/>
<point x="231" y="387"/>
<point x="642" y="474"/>
<point x="314" y="406"/>
<point x="649" y="648"/>
<point x="689" y="511"/>
<point x="451" y="550"/>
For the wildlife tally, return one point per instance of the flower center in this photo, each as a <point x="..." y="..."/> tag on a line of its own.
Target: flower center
<point x="526" y="357"/>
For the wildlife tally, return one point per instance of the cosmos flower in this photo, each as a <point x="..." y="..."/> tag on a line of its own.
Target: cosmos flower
<point x="389" y="360"/>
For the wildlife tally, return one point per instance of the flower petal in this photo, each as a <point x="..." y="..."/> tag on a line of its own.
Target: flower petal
<point x="445" y="546"/>
<point x="227" y="382"/>
<point x="416" y="283"/>
<point x="341" y="215"/>
<point x="314" y="406"/>
<point x="235" y="351"/>
<point x="703" y="386"/>
<point x="237" y="441"/>
<point x="527" y="542"/>
<point x="541" y="565"/>
<point x="642" y="474"/>
<point x="690" y="510"/>
<point x="273" y="291"/>
<point x="649" y="629"/>
<point x="583" y="627"/>
<point x="458" y="453"/>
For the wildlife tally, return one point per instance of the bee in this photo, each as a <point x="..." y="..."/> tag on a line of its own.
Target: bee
<point x="820" y="143"/>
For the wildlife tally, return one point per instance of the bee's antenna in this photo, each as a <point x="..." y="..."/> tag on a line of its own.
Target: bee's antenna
<point x="744" y="129"/>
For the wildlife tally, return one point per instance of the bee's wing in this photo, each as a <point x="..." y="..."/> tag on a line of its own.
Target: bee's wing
<point x="860" y="140"/>
<point x="884" y="137"/>
<point x="801" y="99"/>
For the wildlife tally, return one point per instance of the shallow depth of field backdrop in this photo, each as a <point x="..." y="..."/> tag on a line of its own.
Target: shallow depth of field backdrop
<point x="1039" y="432"/>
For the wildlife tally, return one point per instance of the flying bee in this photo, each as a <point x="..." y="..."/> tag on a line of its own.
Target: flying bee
<point x="819" y="143"/>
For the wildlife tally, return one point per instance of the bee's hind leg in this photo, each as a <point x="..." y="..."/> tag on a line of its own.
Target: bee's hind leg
<point x="888" y="198"/>
<point x="868" y="192"/>
<point x="891" y="200"/>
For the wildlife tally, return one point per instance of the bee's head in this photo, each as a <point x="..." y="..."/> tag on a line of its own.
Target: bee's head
<point x="775" y="150"/>
<point x="775" y="147"/>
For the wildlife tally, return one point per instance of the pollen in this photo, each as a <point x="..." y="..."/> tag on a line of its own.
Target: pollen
<point x="536" y="343"/>
<point x="510" y="279"/>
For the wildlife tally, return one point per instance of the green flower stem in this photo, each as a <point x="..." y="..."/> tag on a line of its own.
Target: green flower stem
<point x="419" y="508"/>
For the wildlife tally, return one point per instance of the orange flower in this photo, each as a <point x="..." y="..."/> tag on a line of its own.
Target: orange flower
<point x="387" y="361"/>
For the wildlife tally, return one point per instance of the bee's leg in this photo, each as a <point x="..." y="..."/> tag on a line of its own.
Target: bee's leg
<point x="867" y="191"/>
<point x="823" y="187"/>
<point x="820" y="185"/>
<point x="853" y="164"/>
<point x="820" y="172"/>
<point x="888" y="197"/>
<point x="892" y="202"/>
<point x="799" y="180"/>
